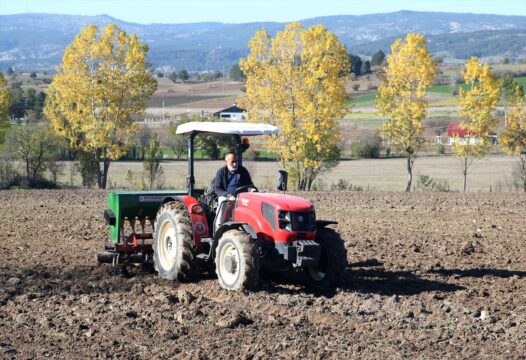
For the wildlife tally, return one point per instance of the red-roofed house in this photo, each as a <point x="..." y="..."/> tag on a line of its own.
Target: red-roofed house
<point x="455" y="130"/>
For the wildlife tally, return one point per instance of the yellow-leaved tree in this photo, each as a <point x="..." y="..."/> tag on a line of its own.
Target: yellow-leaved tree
<point x="476" y="104"/>
<point x="401" y="98"/>
<point x="296" y="82"/>
<point x="5" y="101"/>
<point x="104" y="78"/>
<point x="513" y="138"/>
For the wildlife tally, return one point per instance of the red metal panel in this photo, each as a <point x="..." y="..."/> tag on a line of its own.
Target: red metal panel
<point x="199" y="222"/>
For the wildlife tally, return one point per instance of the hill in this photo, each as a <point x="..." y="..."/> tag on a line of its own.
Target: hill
<point x="37" y="41"/>
<point x="483" y="44"/>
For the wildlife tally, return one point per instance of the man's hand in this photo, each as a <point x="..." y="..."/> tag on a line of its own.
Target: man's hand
<point x="230" y="197"/>
<point x="252" y="189"/>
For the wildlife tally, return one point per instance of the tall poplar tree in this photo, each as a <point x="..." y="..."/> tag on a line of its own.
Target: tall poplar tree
<point x="104" y="78"/>
<point x="401" y="98"/>
<point x="5" y="102"/>
<point x="513" y="139"/>
<point x="296" y="82"/>
<point x="477" y="103"/>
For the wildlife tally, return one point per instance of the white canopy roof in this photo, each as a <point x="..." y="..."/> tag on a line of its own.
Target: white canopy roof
<point x="229" y="128"/>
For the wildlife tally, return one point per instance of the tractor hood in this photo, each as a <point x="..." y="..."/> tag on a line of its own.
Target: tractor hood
<point x="280" y="201"/>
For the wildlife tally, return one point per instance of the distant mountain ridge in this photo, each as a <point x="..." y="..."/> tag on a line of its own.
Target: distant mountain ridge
<point x="37" y="41"/>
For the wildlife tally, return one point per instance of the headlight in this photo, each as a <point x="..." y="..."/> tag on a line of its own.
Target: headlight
<point x="284" y="220"/>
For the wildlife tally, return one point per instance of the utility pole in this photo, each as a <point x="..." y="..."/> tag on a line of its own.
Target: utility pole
<point x="163" y="111"/>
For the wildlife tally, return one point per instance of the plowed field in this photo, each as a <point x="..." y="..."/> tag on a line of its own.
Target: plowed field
<point x="431" y="275"/>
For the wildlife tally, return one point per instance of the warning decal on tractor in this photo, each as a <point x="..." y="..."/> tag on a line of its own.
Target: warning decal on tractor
<point x="151" y="198"/>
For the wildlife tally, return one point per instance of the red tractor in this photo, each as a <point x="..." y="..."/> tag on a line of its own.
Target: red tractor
<point x="261" y="230"/>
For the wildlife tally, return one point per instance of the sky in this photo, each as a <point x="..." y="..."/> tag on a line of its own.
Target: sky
<point x="242" y="11"/>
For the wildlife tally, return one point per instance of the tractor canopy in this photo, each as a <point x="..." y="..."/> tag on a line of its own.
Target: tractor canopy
<point x="210" y="128"/>
<point x="226" y="128"/>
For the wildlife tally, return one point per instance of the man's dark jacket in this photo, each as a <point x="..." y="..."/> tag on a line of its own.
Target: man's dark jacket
<point x="221" y="181"/>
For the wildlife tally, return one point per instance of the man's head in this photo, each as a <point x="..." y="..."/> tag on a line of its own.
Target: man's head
<point x="231" y="161"/>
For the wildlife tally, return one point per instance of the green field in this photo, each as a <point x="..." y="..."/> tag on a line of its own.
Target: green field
<point x="368" y="99"/>
<point x="446" y="89"/>
<point x="362" y="100"/>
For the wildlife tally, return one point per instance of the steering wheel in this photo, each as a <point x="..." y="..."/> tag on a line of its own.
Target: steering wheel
<point x="244" y="188"/>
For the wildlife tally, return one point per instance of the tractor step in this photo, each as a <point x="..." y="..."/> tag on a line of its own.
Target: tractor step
<point x="203" y="256"/>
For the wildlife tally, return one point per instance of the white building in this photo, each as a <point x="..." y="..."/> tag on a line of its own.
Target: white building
<point x="233" y="113"/>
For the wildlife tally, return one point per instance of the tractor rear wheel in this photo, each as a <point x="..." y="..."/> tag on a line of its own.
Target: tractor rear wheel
<point x="330" y="270"/>
<point x="237" y="261"/>
<point x="173" y="244"/>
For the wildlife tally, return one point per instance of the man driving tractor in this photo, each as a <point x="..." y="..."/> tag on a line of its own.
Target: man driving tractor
<point x="228" y="178"/>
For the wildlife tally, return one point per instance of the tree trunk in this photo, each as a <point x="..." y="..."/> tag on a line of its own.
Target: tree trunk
<point x="310" y="181"/>
<point x="409" y="173"/>
<point x="465" y="172"/>
<point x="28" y="171"/>
<point x="523" y="161"/>
<point x="104" y="176"/>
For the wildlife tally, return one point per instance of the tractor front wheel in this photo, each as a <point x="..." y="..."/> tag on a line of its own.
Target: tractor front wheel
<point x="173" y="244"/>
<point x="330" y="270"/>
<point x="237" y="261"/>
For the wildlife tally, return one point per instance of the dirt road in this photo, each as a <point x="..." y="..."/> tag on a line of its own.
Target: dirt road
<point x="431" y="276"/>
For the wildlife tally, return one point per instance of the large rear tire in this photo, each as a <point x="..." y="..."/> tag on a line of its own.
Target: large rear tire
<point x="237" y="261"/>
<point x="330" y="270"/>
<point x="173" y="244"/>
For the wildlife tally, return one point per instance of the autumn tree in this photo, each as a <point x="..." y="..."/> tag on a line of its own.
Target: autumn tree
<point x="401" y="98"/>
<point x="5" y="102"/>
<point x="104" y="78"/>
<point x="296" y="82"/>
<point x="476" y="104"/>
<point x="513" y="139"/>
<point x="508" y="89"/>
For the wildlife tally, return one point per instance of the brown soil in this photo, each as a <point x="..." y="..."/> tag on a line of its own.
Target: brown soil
<point x="430" y="276"/>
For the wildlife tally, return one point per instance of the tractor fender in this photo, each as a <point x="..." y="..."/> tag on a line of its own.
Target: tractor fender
<point x="229" y="225"/>
<point x="320" y="224"/>
<point x="234" y="225"/>
<point x="171" y="198"/>
<point x="199" y="222"/>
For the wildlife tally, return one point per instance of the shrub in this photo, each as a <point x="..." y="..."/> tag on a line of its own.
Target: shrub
<point x="33" y="146"/>
<point x="341" y="185"/>
<point x="252" y="154"/>
<point x="152" y="162"/>
<point x="427" y="183"/>
<point x="370" y="149"/>
<point x="7" y="173"/>
<point x="88" y="167"/>
<point x="441" y="150"/>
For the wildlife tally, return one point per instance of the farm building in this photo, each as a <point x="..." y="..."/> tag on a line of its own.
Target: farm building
<point x="455" y="131"/>
<point x="233" y="113"/>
